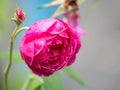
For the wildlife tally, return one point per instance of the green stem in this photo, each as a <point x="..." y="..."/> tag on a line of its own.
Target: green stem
<point x="7" y="69"/>
<point x="32" y="78"/>
<point x="19" y="30"/>
<point x="28" y="82"/>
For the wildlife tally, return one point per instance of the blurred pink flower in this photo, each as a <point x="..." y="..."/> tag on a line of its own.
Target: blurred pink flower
<point x="72" y="15"/>
<point x="49" y="45"/>
<point x="72" y="20"/>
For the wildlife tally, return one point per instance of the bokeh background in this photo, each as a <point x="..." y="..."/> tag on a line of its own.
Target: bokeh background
<point x="98" y="61"/>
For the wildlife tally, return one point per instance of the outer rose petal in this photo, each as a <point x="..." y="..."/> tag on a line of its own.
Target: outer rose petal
<point x="49" y="45"/>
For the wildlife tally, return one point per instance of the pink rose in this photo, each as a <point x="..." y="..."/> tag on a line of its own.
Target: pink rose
<point x="49" y="45"/>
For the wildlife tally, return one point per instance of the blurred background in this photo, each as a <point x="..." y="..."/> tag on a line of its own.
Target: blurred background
<point x="98" y="61"/>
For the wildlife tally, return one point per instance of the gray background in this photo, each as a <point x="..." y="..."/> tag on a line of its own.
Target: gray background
<point x="98" y="61"/>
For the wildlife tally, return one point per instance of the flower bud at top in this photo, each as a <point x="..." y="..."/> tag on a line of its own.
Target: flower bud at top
<point x="19" y="15"/>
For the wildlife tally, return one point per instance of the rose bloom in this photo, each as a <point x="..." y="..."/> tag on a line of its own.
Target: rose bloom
<point x="49" y="45"/>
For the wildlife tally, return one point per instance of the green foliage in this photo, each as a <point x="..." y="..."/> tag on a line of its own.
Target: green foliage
<point x="53" y="82"/>
<point x="33" y="82"/>
<point x="16" y="56"/>
<point x="52" y="3"/>
<point x="60" y="10"/>
<point x="75" y="76"/>
<point x="36" y="83"/>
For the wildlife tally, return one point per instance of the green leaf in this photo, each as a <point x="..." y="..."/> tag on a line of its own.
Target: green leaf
<point x="72" y="74"/>
<point x="53" y="82"/>
<point x="60" y="10"/>
<point x="52" y="3"/>
<point x="36" y="84"/>
<point x="39" y="88"/>
<point x="33" y="82"/>
<point x="16" y="56"/>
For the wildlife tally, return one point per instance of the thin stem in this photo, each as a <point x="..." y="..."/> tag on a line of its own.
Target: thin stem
<point x="31" y="78"/>
<point x="7" y="69"/>
<point x="19" y="30"/>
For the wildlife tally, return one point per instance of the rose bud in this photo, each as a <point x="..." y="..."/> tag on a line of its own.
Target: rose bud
<point x="19" y="15"/>
<point x="49" y="45"/>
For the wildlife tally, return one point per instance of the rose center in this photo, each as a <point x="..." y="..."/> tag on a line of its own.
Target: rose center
<point x="55" y="50"/>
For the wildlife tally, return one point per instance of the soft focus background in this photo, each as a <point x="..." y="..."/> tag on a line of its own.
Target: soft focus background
<point x="98" y="61"/>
